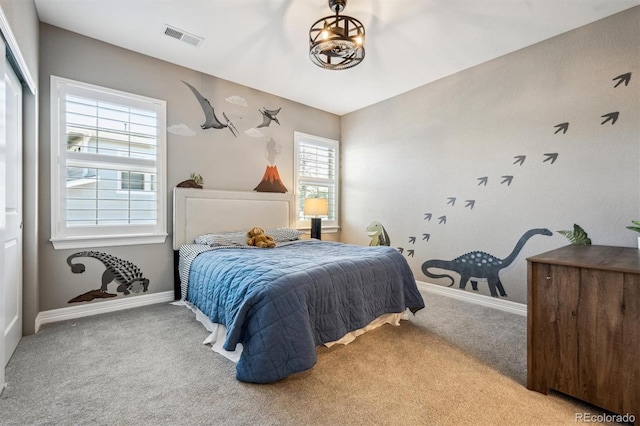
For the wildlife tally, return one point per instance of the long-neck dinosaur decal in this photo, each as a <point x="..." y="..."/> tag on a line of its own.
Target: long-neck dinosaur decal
<point x="122" y="271"/>
<point x="480" y="265"/>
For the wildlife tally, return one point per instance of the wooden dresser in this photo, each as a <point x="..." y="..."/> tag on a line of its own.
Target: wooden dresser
<point x="583" y="334"/>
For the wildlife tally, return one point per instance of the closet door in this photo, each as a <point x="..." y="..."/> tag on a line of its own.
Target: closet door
<point x="3" y="196"/>
<point x="13" y="212"/>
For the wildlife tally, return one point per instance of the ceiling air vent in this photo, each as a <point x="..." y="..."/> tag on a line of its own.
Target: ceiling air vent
<point x="191" y="39"/>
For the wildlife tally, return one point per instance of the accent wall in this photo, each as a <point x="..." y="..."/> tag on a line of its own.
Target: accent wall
<point x="486" y="165"/>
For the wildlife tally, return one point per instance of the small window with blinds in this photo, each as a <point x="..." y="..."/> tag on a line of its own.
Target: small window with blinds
<point x="108" y="155"/>
<point x="316" y="165"/>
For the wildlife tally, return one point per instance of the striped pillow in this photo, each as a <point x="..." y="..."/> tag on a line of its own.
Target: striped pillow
<point x="239" y="238"/>
<point x="281" y="235"/>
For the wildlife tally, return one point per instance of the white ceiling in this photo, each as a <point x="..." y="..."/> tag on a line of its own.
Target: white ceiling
<point x="264" y="43"/>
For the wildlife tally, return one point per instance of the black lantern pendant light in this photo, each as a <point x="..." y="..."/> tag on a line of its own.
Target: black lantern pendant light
<point x="336" y="42"/>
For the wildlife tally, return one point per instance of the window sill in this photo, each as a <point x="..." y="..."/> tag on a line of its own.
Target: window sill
<point x="106" y="241"/>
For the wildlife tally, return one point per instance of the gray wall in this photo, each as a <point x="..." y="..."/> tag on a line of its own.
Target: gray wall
<point x="223" y="161"/>
<point x="407" y="156"/>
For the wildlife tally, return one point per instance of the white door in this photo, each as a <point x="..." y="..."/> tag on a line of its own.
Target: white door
<point x="3" y="188"/>
<point x="13" y="209"/>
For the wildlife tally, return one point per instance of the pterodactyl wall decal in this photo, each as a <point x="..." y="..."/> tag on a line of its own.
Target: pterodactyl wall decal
<point x="269" y="115"/>
<point x="211" y="121"/>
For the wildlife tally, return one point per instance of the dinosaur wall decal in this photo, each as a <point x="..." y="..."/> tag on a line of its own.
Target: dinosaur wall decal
<point x="269" y="115"/>
<point x="128" y="275"/>
<point x="378" y="234"/>
<point x="480" y="265"/>
<point x="211" y="121"/>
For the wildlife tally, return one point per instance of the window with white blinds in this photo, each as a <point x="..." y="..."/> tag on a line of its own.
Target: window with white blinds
<point x="108" y="162"/>
<point x="316" y="166"/>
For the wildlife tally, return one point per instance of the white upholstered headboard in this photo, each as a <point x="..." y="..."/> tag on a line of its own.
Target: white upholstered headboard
<point x="202" y="211"/>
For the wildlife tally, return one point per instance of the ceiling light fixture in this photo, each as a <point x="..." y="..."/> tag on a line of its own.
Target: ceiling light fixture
<point x="336" y="42"/>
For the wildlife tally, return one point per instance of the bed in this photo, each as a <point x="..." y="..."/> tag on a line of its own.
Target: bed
<point x="269" y="309"/>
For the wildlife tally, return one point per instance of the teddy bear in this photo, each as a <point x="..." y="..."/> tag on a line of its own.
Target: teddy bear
<point x="257" y="237"/>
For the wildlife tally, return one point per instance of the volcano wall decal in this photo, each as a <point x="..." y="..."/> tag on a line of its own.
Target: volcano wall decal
<point x="271" y="181"/>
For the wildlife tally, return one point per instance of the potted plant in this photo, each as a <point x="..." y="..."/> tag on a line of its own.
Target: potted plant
<point x="635" y="227"/>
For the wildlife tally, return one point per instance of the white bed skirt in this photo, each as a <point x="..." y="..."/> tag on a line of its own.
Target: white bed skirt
<point x="219" y="331"/>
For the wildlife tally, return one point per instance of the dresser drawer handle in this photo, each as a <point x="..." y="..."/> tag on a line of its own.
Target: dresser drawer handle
<point x="548" y="278"/>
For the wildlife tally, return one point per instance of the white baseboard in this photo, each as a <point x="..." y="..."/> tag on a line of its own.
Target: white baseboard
<point x="478" y="299"/>
<point x="89" y="309"/>
<point x="119" y="304"/>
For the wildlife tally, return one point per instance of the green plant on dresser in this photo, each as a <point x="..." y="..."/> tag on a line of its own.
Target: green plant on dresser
<point x="635" y="226"/>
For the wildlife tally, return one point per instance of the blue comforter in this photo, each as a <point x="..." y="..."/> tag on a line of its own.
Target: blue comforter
<point x="281" y="303"/>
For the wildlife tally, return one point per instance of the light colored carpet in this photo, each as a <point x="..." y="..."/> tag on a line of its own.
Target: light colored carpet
<point x="454" y="363"/>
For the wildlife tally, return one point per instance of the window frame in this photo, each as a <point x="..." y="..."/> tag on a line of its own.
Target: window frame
<point x="67" y="237"/>
<point x="298" y="138"/>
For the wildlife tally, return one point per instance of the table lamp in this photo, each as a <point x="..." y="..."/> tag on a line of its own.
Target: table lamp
<point x="316" y="207"/>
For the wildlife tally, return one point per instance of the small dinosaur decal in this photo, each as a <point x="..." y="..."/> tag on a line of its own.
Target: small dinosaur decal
<point x="480" y="265"/>
<point x="268" y="115"/>
<point x="128" y="275"/>
<point x="378" y="234"/>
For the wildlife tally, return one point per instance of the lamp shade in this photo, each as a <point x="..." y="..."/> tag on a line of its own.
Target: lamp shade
<point x="316" y="207"/>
